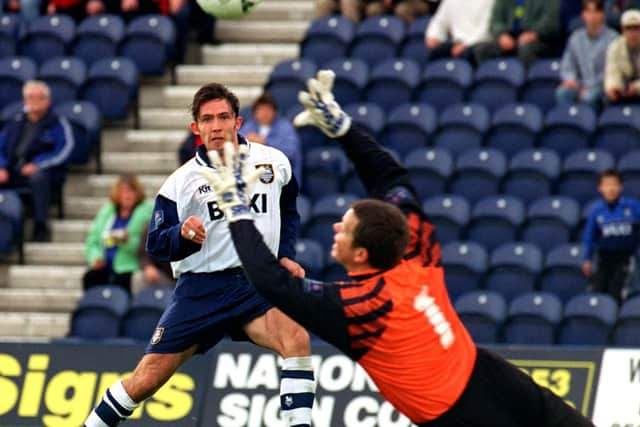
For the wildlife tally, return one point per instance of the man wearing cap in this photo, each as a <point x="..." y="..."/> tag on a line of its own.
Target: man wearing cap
<point x="622" y="69"/>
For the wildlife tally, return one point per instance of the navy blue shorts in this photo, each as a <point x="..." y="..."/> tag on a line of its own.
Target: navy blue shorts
<point x="206" y="307"/>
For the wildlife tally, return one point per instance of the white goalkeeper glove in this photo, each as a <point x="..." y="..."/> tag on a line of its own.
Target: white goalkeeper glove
<point x="321" y="108"/>
<point x="231" y="181"/>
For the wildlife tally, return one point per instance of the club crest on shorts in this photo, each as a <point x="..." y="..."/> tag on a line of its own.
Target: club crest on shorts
<point x="157" y="336"/>
<point x="267" y="175"/>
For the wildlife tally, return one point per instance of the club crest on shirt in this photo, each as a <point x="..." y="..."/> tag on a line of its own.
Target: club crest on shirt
<point x="157" y="336"/>
<point x="267" y="175"/>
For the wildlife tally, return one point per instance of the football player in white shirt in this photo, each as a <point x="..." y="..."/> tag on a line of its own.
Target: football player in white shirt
<point x="213" y="298"/>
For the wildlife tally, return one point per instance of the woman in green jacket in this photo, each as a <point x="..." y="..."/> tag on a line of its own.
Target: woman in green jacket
<point x="111" y="248"/>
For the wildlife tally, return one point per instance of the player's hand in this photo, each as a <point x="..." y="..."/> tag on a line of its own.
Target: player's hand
<point x="321" y="108"/>
<point x="293" y="267"/>
<point x="193" y="229"/>
<point x="231" y="180"/>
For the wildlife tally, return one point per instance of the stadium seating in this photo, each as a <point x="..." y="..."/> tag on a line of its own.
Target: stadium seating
<point x="625" y="333"/>
<point x="309" y="136"/>
<point x="450" y="214"/>
<point x="323" y="171"/>
<point x="514" y="127"/>
<point x="377" y="39"/>
<point x="409" y="126"/>
<point x="413" y="46"/>
<point x="86" y="122"/>
<point x="532" y="319"/>
<point x="325" y="212"/>
<point x="495" y="220"/>
<point x="429" y="170"/>
<point x="326" y="38"/>
<point x="588" y="320"/>
<point x="99" y="313"/>
<point x="562" y="273"/>
<point x="287" y="79"/>
<point x="465" y="264"/>
<point x="483" y="313"/>
<point x="146" y="308"/>
<point x="15" y="71"/>
<point x="629" y="167"/>
<point x="351" y="78"/>
<point x="568" y="128"/>
<point x="10" y="110"/>
<point x="303" y="204"/>
<point x="461" y="127"/>
<point x="618" y="130"/>
<point x="367" y="115"/>
<point x="149" y="42"/>
<point x="98" y="37"/>
<point x="392" y="83"/>
<point x="10" y="26"/>
<point x="580" y="172"/>
<point x="444" y="82"/>
<point x="497" y="82"/>
<point x="112" y="85"/>
<point x="550" y="222"/>
<point x="310" y="255"/>
<point x="65" y="76"/>
<point x="478" y="173"/>
<point x="531" y="174"/>
<point x="333" y="272"/>
<point x="11" y="223"/>
<point x="543" y="77"/>
<point x="513" y="269"/>
<point x="47" y="36"/>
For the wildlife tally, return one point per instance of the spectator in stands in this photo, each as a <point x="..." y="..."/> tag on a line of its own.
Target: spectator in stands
<point x="34" y="148"/>
<point x="457" y="27"/>
<point x="28" y="9"/>
<point x="407" y="10"/>
<point x="622" y="69"/>
<point x="528" y="29"/>
<point x="77" y="9"/>
<point x="612" y="234"/>
<point x="151" y="272"/>
<point x="614" y="8"/>
<point x="111" y="248"/>
<point x="266" y="127"/>
<point x="582" y="69"/>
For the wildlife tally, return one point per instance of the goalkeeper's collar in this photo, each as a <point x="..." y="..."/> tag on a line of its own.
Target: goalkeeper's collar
<point x="201" y="152"/>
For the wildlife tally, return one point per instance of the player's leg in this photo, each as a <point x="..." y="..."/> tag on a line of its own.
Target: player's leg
<point x="123" y="397"/>
<point x="276" y="331"/>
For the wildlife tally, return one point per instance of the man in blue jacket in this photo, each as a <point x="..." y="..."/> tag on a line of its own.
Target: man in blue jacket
<point x="34" y="148"/>
<point x="612" y="234"/>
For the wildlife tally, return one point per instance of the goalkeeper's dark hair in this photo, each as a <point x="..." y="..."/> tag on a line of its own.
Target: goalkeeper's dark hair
<point x="212" y="91"/>
<point x="382" y="230"/>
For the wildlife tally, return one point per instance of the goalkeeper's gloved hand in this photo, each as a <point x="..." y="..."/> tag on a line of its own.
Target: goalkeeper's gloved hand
<point x="321" y="109"/>
<point x="231" y="181"/>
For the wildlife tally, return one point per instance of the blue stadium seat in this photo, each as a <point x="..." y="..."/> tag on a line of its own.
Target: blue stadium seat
<point x="514" y="127"/>
<point x="551" y="221"/>
<point x="450" y="214"/>
<point x="461" y="127"/>
<point x="146" y="308"/>
<point x="86" y="122"/>
<point x="483" y="313"/>
<point x="99" y="313"/>
<point x="351" y="182"/>
<point x="377" y="39"/>
<point x="287" y="79"/>
<point x="495" y="220"/>
<point x="310" y="255"/>
<point x="367" y="115"/>
<point x="149" y="42"/>
<point x="47" y="36"/>
<point x="10" y="110"/>
<point x="409" y="126"/>
<point x="325" y="212"/>
<point x="65" y="76"/>
<point x="465" y="264"/>
<point x="444" y="82"/>
<point x="562" y="274"/>
<point x="629" y="167"/>
<point x="392" y="83"/>
<point x="625" y="333"/>
<point x="303" y="204"/>
<point x="588" y="320"/>
<point x="478" y="173"/>
<point x="543" y="77"/>
<point x="14" y="72"/>
<point x="580" y="172"/>
<point x="531" y="174"/>
<point x="326" y="38"/>
<point x="568" y="128"/>
<point x="429" y="170"/>
<point x="497" y="82"/>
<point x="112" y="86"/>
<point x="618" y="130"/>
<point x="98" y="37"/>
<point x="11" y="223"/>
<point x="513" y="269"/>
<point x="532" y="319"/>
<point x="413" y="46"/>
<point x="351" y="78"/>
<point x="10" y="26"/>
<point x="323" y="171"/>
<point x="309" y="136"/>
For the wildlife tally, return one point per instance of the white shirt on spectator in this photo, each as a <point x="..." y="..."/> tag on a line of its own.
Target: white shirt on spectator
<point x="461" y="21"/>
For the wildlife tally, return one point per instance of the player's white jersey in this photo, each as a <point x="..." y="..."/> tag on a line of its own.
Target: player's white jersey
<point x="193" y="196"/>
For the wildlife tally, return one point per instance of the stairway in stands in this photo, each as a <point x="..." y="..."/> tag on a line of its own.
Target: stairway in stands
<point x="36" y="298"/>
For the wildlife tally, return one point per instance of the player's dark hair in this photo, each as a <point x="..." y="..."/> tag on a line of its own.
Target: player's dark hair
<point x="382" y="230"/>
<point x="597" y="4"/>
<point x="265" y="99"/>
<point x="610" y="173"/>
<point x="212" y="91"/>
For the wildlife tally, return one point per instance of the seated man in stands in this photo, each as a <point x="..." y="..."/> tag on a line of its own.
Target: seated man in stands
<point x="621" y="77"/>
<point x="34" y="148"/>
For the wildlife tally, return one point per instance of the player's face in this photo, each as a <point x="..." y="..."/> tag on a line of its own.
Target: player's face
<point x="217" y="124"/>
<point x="610" y="188"/>
<point x="342" y="249"/>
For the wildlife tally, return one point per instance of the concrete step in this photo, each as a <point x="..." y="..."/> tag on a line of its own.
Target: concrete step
<point x="139" y="163"/>
<point x="249" y="53"/>
<point x="280" y="10"/>
<point x="83" y="207"/>
<point x="144" y="140"/>
<point x="34" y="325"/>
<point x="165" y="118"/>
<point x="231" y="75"/>
<point x="261" y="31"/>
<point x="54" y="253"/>
<point x="70" y="230"/>
<point x="45" y="276"/>
<point x="180" y="98"/>
<point x="43" y="300"/>
<point x="100" y="185"/>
